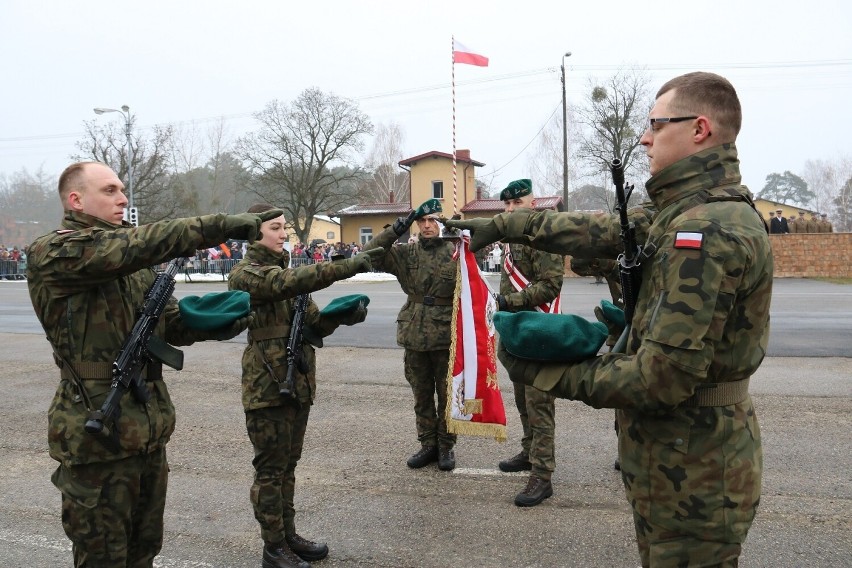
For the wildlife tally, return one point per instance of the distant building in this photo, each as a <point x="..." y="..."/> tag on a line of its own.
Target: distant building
<point x="430" y="175"/>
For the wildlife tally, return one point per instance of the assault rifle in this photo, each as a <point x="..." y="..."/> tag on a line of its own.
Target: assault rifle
<point x="140" y="348"/>
<point x="294" y="347"/>
<point x="628" y="261"/>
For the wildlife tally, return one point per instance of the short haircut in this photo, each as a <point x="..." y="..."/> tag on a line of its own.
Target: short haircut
<point x="260" y="208"/>
<point x="706" y="94"/>
<point x="71" y="178"/>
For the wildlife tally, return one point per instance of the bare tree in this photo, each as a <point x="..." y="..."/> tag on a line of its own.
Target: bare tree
<point x="842" y="213"/>
<point x="294" y="155"/>
<point x="154" y="194"/>
<point x="825" y="179"/>
<point x="383" y="161"/>
<point x="31" y="198"/>
<point x="545" y="166"/>
<point x="615" y="116"/>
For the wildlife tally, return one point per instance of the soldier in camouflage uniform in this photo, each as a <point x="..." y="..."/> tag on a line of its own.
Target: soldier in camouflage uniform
<point x="543" y="273"/>
<point x="86" y="281"/>
<point x="689" y="440"/>
<point x="276" y="423"/>
<point x="426" y="272"/>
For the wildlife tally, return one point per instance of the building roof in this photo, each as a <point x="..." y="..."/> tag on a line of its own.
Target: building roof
<point x="486" y="205"/>
<point x="461" y="156"/>
<point x="375" y="209"/>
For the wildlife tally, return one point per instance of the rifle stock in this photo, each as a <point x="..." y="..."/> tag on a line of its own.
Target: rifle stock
<point x="136" y="352"/>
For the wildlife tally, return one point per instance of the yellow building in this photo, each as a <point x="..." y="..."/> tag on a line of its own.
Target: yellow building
<point x="430" y="175"/>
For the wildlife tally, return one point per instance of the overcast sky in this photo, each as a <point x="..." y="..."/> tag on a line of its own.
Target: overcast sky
<point x="188" y="63"/>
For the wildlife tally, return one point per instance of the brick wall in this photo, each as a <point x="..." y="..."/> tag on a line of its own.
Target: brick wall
<point x="812" y="255"/>
<point x="808" y="255"/>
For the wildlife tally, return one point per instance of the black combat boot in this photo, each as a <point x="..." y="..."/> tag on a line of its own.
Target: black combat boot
<point x="446" y="459"/>
<point x="307" y="549"/>
<point x="520" y="462"/>
<point x="279" y="555"/>
<point x="425" y="456"/>
<point x="536" y="491"/>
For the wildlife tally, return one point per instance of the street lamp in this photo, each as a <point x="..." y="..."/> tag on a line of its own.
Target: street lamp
<point x="125" y="112"/>
<point x="564" y="137"/>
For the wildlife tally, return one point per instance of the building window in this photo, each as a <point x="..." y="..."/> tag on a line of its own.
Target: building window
<point x="366" y="234"/>
<point x="438" y="189"/>
<point x="330" y="236"/>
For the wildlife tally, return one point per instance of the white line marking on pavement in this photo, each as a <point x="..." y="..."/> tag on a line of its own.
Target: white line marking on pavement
<point x="64" y="545"/>
<point x="491" y="472"/>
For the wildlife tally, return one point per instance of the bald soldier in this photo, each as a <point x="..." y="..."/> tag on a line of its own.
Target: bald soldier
<point x="426" y="271"/>
<point x="689" y="440"/>
<point x="87" y="281"/>
<point x="530" y="280"/>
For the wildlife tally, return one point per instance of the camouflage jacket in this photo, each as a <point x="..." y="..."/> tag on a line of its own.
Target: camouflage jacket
<point x="424" y="268"/>
<point x="544" y="272"/>
<point x="86" y="282"/>
<point x="273" y="288"/>
<point x="702" y="316"/>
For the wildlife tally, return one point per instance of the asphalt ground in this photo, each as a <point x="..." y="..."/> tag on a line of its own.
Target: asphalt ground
<point x="355" y="492"/>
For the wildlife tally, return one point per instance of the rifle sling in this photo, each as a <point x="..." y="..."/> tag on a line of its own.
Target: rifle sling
<point x="718" y="394"/>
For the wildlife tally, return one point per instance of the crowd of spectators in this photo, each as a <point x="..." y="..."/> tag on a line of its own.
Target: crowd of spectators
<point x="13" y="262"/>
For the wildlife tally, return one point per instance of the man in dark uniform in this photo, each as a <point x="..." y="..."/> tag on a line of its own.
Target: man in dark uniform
<point x="426" y="271"/>
<point x="86" y="282"/>
<point x="699" y="330"/>
<point x="783" y="228"/>
<point x="531" y="280"/>
<point x="277" y="422"/>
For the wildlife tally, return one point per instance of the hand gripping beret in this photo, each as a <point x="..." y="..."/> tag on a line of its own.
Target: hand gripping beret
<point x="214" y="311"/>
<point x="428" y="207"/>
<point x="516" y="189"/>
<point x="345" y="305"/>
<point x="549" y="337"/>
<point x="613" y="313"/>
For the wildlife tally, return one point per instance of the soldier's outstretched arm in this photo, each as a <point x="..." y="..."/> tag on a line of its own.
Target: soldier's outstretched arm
<point x="273" y="283"/>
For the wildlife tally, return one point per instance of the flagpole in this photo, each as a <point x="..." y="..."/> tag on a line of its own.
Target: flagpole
<point x="453" y="59"/>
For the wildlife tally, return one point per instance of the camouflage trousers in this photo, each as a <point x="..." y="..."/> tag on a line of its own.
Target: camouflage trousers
<point x="537" y="409"/>
<point x="426" y="372"/>
<point x="664" y="549"/>
<point x="113" y="511"/>
<point x="277" y="434"/>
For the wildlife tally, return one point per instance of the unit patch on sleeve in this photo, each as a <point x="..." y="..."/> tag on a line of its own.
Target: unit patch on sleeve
<point x="686" y="240"/>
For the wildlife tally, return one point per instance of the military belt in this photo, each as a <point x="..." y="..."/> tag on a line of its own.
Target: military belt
<point x="102" y="371"/>
<point x="719" y="394"/>
<point x="430" y="300"/>
<point x="270" y="332"/>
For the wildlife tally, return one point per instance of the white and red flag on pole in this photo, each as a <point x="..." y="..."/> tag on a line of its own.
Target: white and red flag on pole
<point x="462" y="54"/>
<point x="474" y="401"/>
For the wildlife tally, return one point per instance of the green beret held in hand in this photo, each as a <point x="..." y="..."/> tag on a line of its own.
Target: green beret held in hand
<point x="549" y="337"/>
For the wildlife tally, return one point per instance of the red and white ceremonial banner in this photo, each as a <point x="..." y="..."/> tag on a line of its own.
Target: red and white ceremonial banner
<point x="519" y="282"/>
<point x="474" y="401"/>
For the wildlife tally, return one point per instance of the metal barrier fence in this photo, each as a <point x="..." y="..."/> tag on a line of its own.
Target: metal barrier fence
<point x="221" y="268"/>
<point x="13" y="270"/>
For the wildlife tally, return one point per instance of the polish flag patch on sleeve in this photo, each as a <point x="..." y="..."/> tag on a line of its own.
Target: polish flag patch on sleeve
<point x="686" y="240"/>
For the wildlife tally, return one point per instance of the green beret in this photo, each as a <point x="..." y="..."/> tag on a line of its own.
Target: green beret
<point x="516" y="189"/>
<point x="428" y="207"/>
<point x="345" y="305"/>
<point x="549" y="337"/>
<point x="214" y="311"/>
